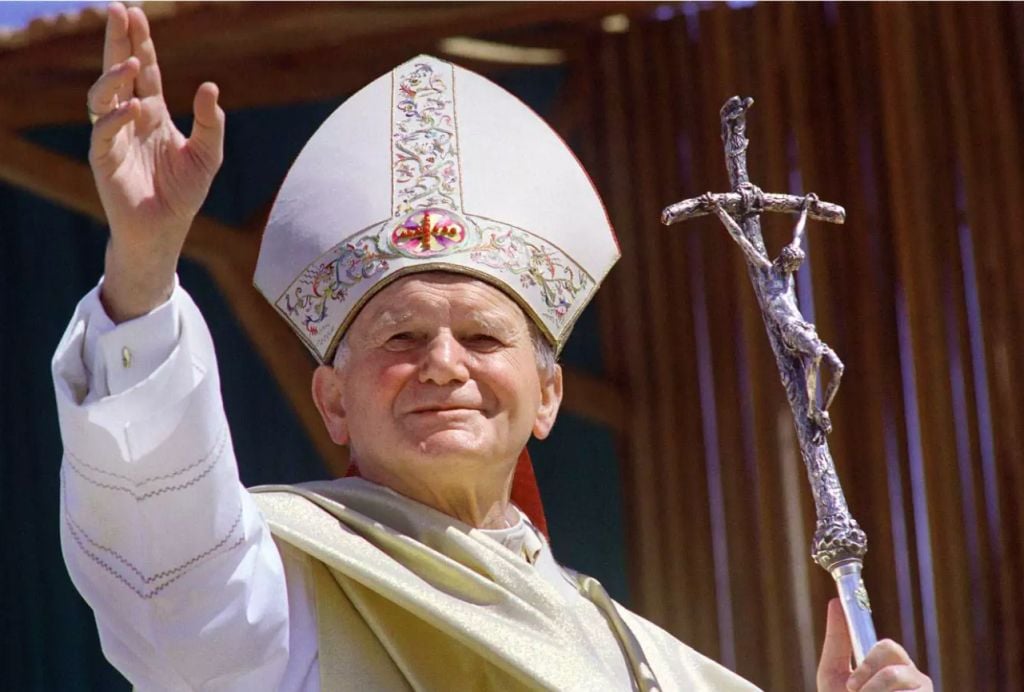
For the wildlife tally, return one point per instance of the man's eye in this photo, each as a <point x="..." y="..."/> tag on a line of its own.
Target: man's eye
<point x="401" y="340"/>
<point x="483" y="341"/>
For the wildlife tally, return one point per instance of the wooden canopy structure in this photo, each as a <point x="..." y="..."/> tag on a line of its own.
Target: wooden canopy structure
<point x="908" y="115"/>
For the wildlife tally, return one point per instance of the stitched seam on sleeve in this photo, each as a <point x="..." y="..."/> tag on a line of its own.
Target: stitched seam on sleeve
<point x="76" y="528"/>
<point x="172" y="575"/>
<point x="211" y="462"/>
<point x="215" y="451"/>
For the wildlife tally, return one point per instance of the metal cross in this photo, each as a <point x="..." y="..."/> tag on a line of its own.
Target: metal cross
<point x="839" y="543"/>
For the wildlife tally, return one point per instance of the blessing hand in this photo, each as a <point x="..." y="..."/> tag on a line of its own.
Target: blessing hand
<point x="151" y="179"/>
<point x="886" y="668"/>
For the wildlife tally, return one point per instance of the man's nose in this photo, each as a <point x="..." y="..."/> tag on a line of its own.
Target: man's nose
<point x="444" y="361"/>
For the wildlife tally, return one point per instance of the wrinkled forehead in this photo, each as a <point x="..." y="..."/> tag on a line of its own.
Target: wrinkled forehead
<point x="435" y="293"/>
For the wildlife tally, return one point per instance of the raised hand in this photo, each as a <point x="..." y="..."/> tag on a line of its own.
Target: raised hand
<point x="886" y="668"/>
<point x="151" y="179"/>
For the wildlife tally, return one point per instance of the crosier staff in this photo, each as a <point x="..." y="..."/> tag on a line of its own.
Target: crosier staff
<point x="839" y="543"/>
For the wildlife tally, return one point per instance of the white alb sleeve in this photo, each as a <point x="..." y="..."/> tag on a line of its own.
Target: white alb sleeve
<point x="158" y="534"/>
<point x="118" y="357"/>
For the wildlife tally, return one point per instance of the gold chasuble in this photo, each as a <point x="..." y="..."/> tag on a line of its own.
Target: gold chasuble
<point x="410" y="598"/>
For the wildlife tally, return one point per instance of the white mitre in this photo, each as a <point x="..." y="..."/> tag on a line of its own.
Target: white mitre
<point x="432" y="167"/>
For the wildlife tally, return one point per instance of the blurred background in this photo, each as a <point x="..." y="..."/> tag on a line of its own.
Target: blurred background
<point x="673" y="475"/>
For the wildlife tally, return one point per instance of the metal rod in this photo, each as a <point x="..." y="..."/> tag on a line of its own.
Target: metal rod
<point x="856" y="607"/>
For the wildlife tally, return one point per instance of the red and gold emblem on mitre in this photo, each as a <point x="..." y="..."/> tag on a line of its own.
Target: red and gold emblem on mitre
<point x="429" y="233"/>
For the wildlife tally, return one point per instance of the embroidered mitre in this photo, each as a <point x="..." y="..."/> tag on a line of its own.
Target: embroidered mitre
<point x="432" y="167"/>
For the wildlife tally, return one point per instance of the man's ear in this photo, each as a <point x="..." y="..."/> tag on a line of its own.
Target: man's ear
<point x="550" y="400"/>
<point x="327" y="391"/>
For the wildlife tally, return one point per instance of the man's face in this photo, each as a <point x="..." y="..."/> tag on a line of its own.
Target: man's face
<point x="440" y="378"/>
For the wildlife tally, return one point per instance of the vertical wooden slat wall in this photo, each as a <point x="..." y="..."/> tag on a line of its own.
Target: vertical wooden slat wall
<point x="910" y="116"/>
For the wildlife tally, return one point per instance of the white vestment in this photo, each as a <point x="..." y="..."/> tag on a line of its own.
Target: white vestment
<point x="189" y="589"/>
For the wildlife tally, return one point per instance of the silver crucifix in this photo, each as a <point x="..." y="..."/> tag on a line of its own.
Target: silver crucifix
<point x="839" y="543"/>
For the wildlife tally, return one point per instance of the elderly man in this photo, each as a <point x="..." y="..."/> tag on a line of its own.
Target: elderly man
<point x="432" y="246"/>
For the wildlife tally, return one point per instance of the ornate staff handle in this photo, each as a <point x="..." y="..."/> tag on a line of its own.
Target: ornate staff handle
<point x="839" y="543"/>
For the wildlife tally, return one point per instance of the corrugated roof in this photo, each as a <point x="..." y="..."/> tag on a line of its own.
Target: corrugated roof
<point x="271" y="53"/>
<point x="25" y="23"/>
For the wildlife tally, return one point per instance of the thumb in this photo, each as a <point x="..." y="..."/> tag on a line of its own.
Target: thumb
<point x="834" y="667"/>
<point x="207" y="138"/>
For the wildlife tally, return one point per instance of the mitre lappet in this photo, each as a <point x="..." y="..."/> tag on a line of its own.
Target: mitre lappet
<point x="432" y="167"/>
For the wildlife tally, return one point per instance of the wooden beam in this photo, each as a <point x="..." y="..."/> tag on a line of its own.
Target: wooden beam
<point x="226" y="253"/>
<point x="231" y="31"/>
<point x="286" y="359"/>
<point x="48" y="175"/>
<point x="594" y="398"/>
<point x="69" y="183"/>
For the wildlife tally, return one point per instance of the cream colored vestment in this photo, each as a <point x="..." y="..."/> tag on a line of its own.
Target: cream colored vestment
<point x="409" y="598"/>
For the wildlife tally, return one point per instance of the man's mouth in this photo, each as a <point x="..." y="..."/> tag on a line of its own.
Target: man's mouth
<point x="443" y="409"/>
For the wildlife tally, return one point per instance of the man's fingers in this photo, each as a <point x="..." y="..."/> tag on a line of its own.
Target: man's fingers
<point x="207" y="138"/>
<point x="116" y="45"/>
<point x="110" y="84"/>
<point x="148" y="82"/>
<point x="107" y="127"/>
<point x="904" y="677"/>
<point x="882" y="656"/>
<point x="834" y="667"/>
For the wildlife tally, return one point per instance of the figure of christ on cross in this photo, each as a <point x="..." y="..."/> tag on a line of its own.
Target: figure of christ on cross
<point x="839" y="544"/>
<point x="798" y="335"/>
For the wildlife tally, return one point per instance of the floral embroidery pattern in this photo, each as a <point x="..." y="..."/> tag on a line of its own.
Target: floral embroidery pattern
<point x="540" y="267"/>
<point x="547" y="278"/>
<point x="328" y="280"/>
<point x="423" y="146"/>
